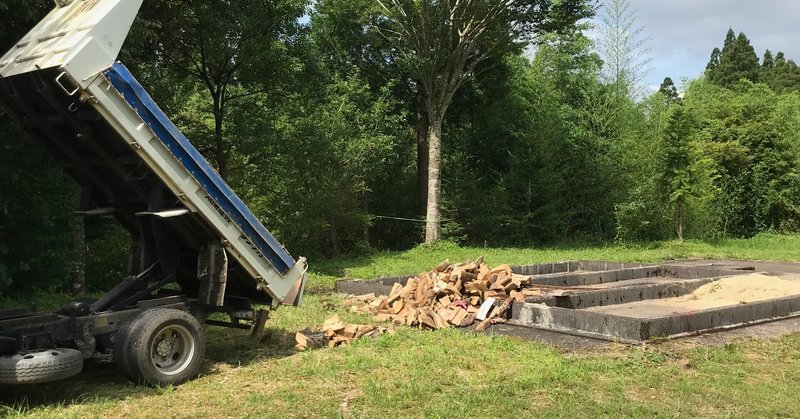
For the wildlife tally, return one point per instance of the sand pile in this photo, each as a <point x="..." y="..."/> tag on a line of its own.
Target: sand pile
<point x="741" y="289"/>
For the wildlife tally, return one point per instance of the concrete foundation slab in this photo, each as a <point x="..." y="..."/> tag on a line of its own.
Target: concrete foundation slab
<point x="619" y="301"/>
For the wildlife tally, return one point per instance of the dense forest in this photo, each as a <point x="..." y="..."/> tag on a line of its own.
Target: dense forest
<point x="351" y="125"/>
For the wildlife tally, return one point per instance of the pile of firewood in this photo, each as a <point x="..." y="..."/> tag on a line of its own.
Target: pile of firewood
<point x="449" y="295"/>
<point x="335" y="333"/>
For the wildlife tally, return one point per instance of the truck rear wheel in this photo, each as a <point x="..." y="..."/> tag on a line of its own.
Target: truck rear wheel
<point x="40" y="367"/>
<point x="161" y="347"/>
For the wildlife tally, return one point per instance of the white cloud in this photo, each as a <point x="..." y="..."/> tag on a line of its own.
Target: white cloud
<point x="683" y="32"/>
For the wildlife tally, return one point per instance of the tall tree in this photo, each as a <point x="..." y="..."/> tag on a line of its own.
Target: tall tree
<point x="768" y="62"/>
<point x="782" y="75"/>
<point x="737" y="61"/>
<point x="623" y="48"/>
<point x="233" y="50"/>
<point x="730" y="39"/>
<point x="680" y="169"/>
<point x="444" y="41"/>
<point x="713" y="63"/>
<point x="669" y="90"/>
<point x="780" y="59"/>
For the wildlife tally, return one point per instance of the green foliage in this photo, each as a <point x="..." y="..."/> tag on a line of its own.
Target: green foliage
<point x="744" y="133"/>
<point x="731" y="165"/>
<point x="333" y="149"/>
<point x="736" y="61"/>
<point x="311" y="122"/>
<point x="780" y="74"/>
<point x="17" y="17"/>
<point x="35" y="234"/>
<point x="676" y="172"/>
<point x="346" y="36"/>
<point x="641" y="214"/>
<point x="528" y="162"/>
<point x="226" y="53"/>
<point x="681" y="172"/>
<point x="106" y="255"/>
<point x="669" y="90"/>
<point x="713" y="63"/>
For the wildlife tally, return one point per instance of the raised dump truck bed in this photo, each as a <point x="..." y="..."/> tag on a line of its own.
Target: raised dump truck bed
<point x="62" y="86"/>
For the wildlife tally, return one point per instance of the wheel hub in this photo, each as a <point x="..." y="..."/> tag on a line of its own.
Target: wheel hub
<point x="166" y="346"/>
<point x="172" y="350"/>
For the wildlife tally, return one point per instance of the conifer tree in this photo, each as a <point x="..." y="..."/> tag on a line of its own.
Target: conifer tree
<point x="769" y="61"/>
<point x="713" y="63"/>
<point x="680" y="171"/>
<point x="785" y="77"/>
<point x="737" y="61"/>
<point x="779" y="74"/>
<point x="780" y="59"/>
<point x="669" y="90"/>
<point x="730" y="39"/>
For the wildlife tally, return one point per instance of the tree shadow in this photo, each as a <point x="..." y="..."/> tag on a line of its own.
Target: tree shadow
<point x="100" y="383"/>
<point x="236" y="348"/>
<point x="96" y="382"/>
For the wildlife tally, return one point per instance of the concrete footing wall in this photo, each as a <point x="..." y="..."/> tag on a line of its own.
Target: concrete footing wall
<point x="580" y="279"/>
<point x="383" y="285"/>
<point x="621" y="295"/>
<point x="563" y="310"/>
<point x="629" y="329"/>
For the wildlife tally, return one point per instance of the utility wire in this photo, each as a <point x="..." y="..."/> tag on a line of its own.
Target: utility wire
<point x="413" y="220"/>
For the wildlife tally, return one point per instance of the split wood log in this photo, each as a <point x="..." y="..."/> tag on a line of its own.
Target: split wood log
<point x="449" y="295"/>
<point x="335" y="333"/>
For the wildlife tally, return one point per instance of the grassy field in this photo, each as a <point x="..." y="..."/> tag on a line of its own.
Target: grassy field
<point x="451" y="373"/>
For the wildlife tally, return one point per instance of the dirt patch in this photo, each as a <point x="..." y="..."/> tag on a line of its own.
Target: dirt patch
<point x="740" y="289"/>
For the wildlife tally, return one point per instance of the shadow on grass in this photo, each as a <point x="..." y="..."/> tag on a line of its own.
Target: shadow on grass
<point x="237" y="348"/>
<point x="102" y="383"/>
<point x="97" y="382"/>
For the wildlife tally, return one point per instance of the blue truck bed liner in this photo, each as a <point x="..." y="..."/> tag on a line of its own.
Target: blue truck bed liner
<point x="63" y="86"/>
<point x="227" y="200"/>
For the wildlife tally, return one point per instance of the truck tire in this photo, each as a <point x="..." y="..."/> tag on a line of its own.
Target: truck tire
<point x="40" y="367"/>
<point x="121" y="350"/>
<point x="161" y="347"/>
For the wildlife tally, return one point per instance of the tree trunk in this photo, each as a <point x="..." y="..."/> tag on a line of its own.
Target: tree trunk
<point x="334" y="239"/>
<point x="422" y="160"/>
<point x="365" y="208"/>
<point x="433" y="225"/>
<point x="680" y="217"/>
<point x="79" y="249"/>
<point x="220" y="154"/>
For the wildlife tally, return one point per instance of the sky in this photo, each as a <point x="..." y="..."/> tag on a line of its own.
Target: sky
<point x="682" y="33"/>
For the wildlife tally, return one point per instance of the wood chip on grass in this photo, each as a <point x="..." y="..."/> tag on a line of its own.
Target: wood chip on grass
<point x="336" y="333"/>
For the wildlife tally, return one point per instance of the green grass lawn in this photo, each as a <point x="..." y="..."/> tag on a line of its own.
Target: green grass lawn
<point x="451" y="373"/>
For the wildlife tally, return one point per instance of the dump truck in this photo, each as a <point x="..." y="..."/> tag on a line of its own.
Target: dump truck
<point x="199" y="257"/>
